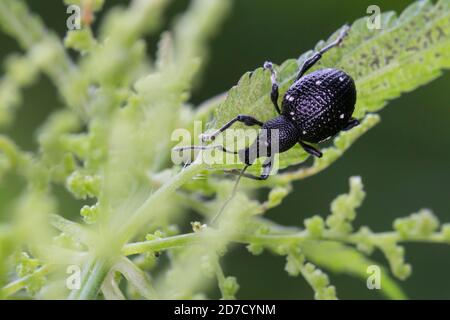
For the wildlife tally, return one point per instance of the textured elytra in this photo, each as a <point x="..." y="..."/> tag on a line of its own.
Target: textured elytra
<point x="320" y="104"/>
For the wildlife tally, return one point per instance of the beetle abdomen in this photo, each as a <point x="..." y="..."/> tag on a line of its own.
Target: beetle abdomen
<point x="321" y="103"/>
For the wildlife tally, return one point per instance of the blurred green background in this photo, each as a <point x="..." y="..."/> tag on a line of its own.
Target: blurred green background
<point x="404" y="161"/>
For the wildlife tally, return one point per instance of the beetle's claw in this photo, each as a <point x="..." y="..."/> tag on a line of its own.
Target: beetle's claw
<point x="343" y="34"/>
<point x="346" y="29"/>
<point x="268" y="65"/>
<point x="207" y="137"/>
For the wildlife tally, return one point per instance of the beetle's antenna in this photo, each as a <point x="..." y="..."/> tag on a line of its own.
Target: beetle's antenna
<point x="233" y="193"/>
<point x="217" y="147"/>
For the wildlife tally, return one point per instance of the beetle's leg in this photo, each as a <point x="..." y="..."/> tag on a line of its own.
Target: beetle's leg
<point x="350" y="124"/>
<point x="247" y="120"/>
<point x="266" y="168"/>
<point x="316" y="56"/>
<point x="218" y="147"/>
<point x="273" y="77"/>
<point x="311" y="150"/>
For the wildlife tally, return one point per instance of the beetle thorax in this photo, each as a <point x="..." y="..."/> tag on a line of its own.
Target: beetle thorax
<point x="276" y="135"/>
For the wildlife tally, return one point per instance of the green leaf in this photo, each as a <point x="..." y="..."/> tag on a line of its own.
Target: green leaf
<point x="406" y="52"/>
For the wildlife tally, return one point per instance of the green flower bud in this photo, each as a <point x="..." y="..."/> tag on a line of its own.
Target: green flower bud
<point x="90" y="213"/>
<point x="417" y="225"/>
<point x="315" y="226"/>
<point x="255" y="249"/>
<point x="294" y="262"/>
<point x="82" y="185"/>
<point x="80" y="40"/>
<point x="230" y="288"/>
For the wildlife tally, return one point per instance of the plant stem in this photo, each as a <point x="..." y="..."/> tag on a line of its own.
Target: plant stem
<point x="160" y="244"/>
<point x="92" y="279"/>
<point x="269" y="239"/>
<point x="98" y="270"/>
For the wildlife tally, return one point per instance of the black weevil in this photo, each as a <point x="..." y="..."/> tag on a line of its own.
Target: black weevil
<point x="316" y="107"/>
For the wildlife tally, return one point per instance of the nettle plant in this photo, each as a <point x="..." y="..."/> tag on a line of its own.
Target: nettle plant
<point x="110" y="146"/>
